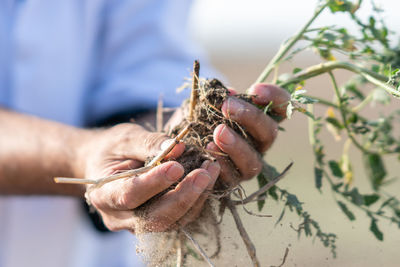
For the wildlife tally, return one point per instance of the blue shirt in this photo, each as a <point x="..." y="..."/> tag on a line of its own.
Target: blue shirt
<point x="79" y="62"/>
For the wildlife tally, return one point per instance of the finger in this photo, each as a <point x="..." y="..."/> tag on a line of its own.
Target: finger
<point x="127" y="194"/>
<point x="118" y="220"/>
<point x="175" y="203"/>
<point x="232" y="91"/>
<point x="265" y="93"/>
<point x="228" y="173"/>
<point x="138" y="143"/>
<point x="213" y="169"/>
<point x="114" y="167"/>
<point x="245" y="158"/>
<point x="263" y="128"/>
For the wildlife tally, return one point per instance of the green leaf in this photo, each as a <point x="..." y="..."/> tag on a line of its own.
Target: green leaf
<point x="353" y="118"/>
<point x="375" y="169"/>
<point x="306" y="100"/>
<point x="318" y="177"/>
<point x="387" y="202"/>
<point x="307" y="228"/>
<point x="370" y="199"/>
<point x="335" y="123"/>
<point x="281" y="216"/>
<point x="293" y="201"/>
<point x="340" y="6"/>
<point x="375" y="230"/>
<point x="329" y="36"/>
<point x="397" y="212"/>
<point x="306" y="112"/>
<point x="296" y="70"/>
<point x="337" y="186"/>
<point x="335" y="168"/>
<point x="346" y="211"/>
<point x="355" y="197"/>
<point x="262" y="180"/>
<point x="352" y="87"/>
<point x="272" y="193"/>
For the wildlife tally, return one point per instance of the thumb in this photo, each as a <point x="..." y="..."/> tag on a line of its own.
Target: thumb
<point x="143" y="144"/>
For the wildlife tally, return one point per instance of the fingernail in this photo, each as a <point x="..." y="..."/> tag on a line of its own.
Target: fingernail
<point x="211" y="146"/>
<point x="166" y="143"/>
<point x="214" y="167"/>
<point x="234" y="107"/>
<point x="205" y="164"/>
<point x="201" y="182"/>
<point x="174" y="172"/>
<point x="226" y="137"/>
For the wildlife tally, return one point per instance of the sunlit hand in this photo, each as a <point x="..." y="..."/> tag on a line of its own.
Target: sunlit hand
<point x="261" y="127"/>
<point x="127" y="146"/>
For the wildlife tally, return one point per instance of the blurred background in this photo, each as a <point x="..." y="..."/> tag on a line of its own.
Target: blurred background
<point x="240" y="38"/>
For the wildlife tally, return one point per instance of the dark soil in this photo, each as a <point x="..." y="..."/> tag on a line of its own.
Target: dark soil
<point x="207" y="116"/>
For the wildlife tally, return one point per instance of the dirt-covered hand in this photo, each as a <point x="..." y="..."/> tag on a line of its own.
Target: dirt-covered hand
<point x="127" y="146"/>
<point x="261" y="127"/>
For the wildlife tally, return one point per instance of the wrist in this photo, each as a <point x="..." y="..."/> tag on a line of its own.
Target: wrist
<point x="81" y="142"/>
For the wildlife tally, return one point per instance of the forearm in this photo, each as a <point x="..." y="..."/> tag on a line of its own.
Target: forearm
<point x="33" y="150"/>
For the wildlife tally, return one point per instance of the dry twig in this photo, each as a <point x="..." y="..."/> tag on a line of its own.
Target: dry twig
<point x="284" y="258"/>
<point x="195" y="87"/>
<point x="251" y="250"/>
<point x="160" y="113"/>
<point x="265" y="188"/>
<point x="179" y="253"/>
<point x="198" y="247"/>
<point x="156" y="160"/>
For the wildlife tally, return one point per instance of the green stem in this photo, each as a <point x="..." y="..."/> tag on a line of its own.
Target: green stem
<point x="311" y="133"/>
<point x="363" y="103"/>
<point x="330" y="104"/>
<point x="342" y="110"/>
<point x="323" y="101"/>
<point x="372" y="77"/>
<point x="287" y="46"/>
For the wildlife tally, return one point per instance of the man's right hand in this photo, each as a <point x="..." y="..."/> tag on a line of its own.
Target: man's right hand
<point x="127" y="146"/>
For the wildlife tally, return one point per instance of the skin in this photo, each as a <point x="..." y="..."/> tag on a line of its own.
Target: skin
<point x="34" y="150"/>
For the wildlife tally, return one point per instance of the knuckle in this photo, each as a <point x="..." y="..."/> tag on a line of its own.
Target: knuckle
<point x="251" y="114"/>
<point x="111" y="225"/>
<point x="153" y="140"/>
<point x="268" y="137"/>
<point x="123" y="201"/>
<point x="183" y="203"/>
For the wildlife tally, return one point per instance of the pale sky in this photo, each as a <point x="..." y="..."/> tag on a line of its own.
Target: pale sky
<point x="249" y="27"/>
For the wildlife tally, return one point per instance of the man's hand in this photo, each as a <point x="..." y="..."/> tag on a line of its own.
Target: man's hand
<point x="52" y="149"/>
<point x="127" y="146"/>
<point x="260" y="126"/>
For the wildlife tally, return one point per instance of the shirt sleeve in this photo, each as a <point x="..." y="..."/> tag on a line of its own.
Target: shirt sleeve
<point x="143" y="51"/>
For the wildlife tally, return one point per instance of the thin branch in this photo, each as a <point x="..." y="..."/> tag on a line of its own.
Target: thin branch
<point x="265" y="188"/>
<point x="373" y="77"/>
<point x="284" y="258"/>
<point x="195" y="88"/>
<point x="179" y="253"/>
<point x="287" y="46"/>
<point x="330" y="104"/>
<point x="130" y="173"/>
<point x="343" y="114"/>
<point x="198" y="247"/>
<point x="240" y="190"/>
<point x="251" y="250"/>
<point x="176" y="141"/>
<point x="160" y="113"/>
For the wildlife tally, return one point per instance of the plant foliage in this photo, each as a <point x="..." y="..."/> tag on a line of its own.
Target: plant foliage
<point x="374" y="60"/>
